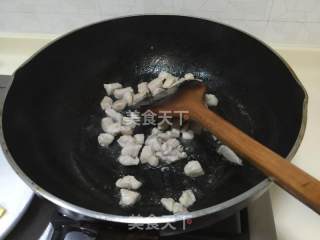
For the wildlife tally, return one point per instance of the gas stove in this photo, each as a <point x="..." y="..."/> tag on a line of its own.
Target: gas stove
<point x="253" y="223"/>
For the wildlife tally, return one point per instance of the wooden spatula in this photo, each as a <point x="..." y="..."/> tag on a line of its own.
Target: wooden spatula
<point x="189" y="96"/>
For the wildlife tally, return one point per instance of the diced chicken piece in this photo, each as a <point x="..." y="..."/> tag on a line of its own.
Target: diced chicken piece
<point x="119" y="105"/>
<point x="147" y="156"/>
<point x="128" y="182"/>
<point x="154" y="143"/>
<point x="173" y="142"/>
<point x="214" y="137"/>
<point x="167" y="203"/>
<point x="168" y="82"/>
<point x="187" y="198"/>
<point x="183" y="155"/>
<point x="193" y="169"/>
<point x="128" y="97"/>
<point x="156" y="91"/>
<point x="128" y="160"/>
<point x="105" y="139"/>
<point x="105" y="123"/>
<point x="211" y="100"/>
<point x="163" y="75"/>
<point x="164" y="136"/>
<point x="126" y="130"/>
<point x="146" y="153"/>
<point x="143" y="88"/>
<point x="187" y="135"/>
<point x="162" y="126"/>
<point x="106" y="102"/>
<point x="178" y="208"/>
<point x="128" y="121"/>
<point x="155" y="131"/>
<point x="119" y="93"/>
<point x="169" y="145"/>
<point x="189" y="76"/>
<point x="229" y="154"/>
<point x="165" y="149"/>
<point x="114" y="114"/>
<point x="126" y="140"/>
<point x="155" y="85"/>
<point x="139" y="138"/>
<point x="138" y="98"/>
<point x="153" y="161"/>
<point x="111" y="87"/>
<point x="114" y="129"/>
<point x="174" y="133"/>
<point x="131" y="150"/>
<point x="167" y="76"/>
<point x="128" y="198"/>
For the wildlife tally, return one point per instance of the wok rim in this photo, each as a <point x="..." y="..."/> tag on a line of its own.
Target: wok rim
<point x="246" y="196"/>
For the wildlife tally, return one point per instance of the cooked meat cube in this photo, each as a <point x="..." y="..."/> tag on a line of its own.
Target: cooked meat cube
<point x="128" y="182"/>
<point x="105" y="139"/>
<point x="187" y="198"/>
<point x="193" y="169"/>
<point x="138" y="98"/>
<point x="131" y="150"/>
<point x="128" y="97"/>
<point x="143" y="88"/>
<point x="105" y="122"/>
<point x="167" y="203"/>
<point x="114" y="129"/>
<point x="229" y="154"/>
<point x="126" y="130"/>
<point x="155" y="86"/>
<point x="116" y="116"/>
<point x="187" y="135"/>
<point x="139" y="138"/>
<point x="168" y="82"/>
<point x="188" y="76"/>
<point x="119" y="105"/>
<point x="106" y="102"/>
<point x="119" y="93"/>
<point x="211" y="100"/>
<point x="154" y="143"/>
<point x="126" y="140"/>
<point x="126" y="160"/>
<point x="174" y="133"/>
<point x="178" y="208"/>
<point x="147" y="156"/>
<point x="111" y="87"/>
<point x="128" y="198"/>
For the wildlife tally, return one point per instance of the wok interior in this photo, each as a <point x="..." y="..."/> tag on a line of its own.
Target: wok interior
<point x="51" y="116"/>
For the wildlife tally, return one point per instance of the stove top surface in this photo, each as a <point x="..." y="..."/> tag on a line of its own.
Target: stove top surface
<point x="42" y="215"/>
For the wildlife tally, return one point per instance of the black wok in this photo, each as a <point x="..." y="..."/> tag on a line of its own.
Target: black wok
<point x="51" y="116"/>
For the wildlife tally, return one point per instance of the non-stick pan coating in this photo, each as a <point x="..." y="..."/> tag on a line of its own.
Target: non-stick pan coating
<point x="51" y="117"/>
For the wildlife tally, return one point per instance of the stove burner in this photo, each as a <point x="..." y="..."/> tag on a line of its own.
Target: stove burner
<point x="232" y="228"/>
<point x="254" y="223"/>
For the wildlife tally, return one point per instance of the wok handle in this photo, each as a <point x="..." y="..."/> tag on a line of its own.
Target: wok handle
<point x="288" y="176"/>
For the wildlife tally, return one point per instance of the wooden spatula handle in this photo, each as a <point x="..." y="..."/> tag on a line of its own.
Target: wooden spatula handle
<point x="300" y="184"/>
